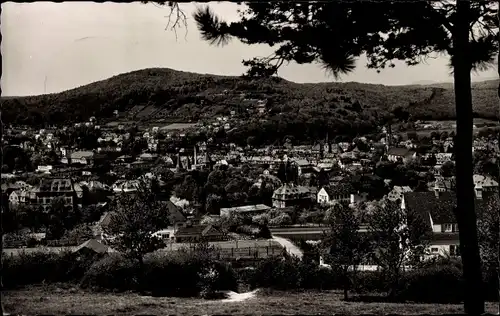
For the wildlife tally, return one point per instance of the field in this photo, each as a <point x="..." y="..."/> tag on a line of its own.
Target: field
<point x="56" y="301"/>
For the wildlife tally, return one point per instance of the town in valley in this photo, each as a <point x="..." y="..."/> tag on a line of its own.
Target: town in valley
<point x="203" y="181"/>
<point x="311" y="183"/>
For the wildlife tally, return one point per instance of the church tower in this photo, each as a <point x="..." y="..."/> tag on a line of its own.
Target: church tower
<point x="388" y="137"/>
<point x="179" y="163"/>
<point x="195" y="156"/>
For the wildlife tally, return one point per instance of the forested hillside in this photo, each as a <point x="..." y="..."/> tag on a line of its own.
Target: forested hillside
<point x="182" y="96"/>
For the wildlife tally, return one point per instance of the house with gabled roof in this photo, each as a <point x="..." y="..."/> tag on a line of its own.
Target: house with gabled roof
<point x="290" y="195"/>
<point x="437" y="211"/>
<point x="78" y="157"/>
<point x="92" y="246"/>
<point x="176" y="217"/>
<point x="343" y="192"/>
<point x="52" y="188"/>
<point x="400" y="154"/>
<point x="196" y="233"/>
<point x="484" y="183"/>
<point x="397" y="193"/>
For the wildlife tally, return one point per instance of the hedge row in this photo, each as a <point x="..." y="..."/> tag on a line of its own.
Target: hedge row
<point x="192" y="273"/>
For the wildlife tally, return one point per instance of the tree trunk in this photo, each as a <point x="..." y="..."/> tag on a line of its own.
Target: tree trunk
<point x="346" y="283"/>
<point x="140" y="274"/>
<point x="498" y="179"/>
<point x="465" y="210"/>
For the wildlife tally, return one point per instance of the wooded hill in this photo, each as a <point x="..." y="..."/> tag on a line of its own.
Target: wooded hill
<point x="182" y="96"/>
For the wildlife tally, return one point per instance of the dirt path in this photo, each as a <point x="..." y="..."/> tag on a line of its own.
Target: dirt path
<point x="239" y="297"/>
<point x="289" y="246"/>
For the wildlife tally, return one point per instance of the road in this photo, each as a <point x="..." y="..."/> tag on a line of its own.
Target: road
<point x="289" y="246"/>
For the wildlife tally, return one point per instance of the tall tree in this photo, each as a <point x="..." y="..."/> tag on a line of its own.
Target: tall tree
<point x="335" y="33"/>
<point x="136" y="218"/>
<point x="399" y="239"/>
<point x="489" y="230"/>
<point x="498" y="163"/>
<point x="344" y="245"/>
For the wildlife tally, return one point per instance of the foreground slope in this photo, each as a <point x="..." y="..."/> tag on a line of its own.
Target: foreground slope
<point x="60" y="301"/>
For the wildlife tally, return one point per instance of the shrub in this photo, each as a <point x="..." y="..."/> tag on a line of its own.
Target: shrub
<point x="113" y="272"/>
<point x="174" y="275"/>
<point x="277" y="273"/>
<point x="38" y="267"/>
<point x="369" y="281"/>
<point x="187" y="273"/>
<point x="245" y="230"/>
<point x="261" y="219"/>
<point x="32" y="242"/>
<point x="291" y="273"/>
<point x="281" y="220"/>
<point x="263" y="232"/>
<point x="218" y="276"/>
<point x="246" y="276"/>
<point x="227" y="277"/>
<point x="433" y="284"/>
<point x="312" y="276"/>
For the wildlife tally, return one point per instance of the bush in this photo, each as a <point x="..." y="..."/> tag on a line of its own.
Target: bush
<point x="291" y="273"/>
<point x="246" y="276"/>
<point x="261" y="219"/>
<point x="433" y="284"/>
<point x="171" y="276"/>
<point x="313" y="276"/>
<point x="277" y="273"/>
<point x="263" y="232"/>
<point x="187" y="274"/>
<point x="38" y="267"/>
<point x="31" y="243"/>
<point x="369" y="282"/>
<point x="113" y="272"/>
<point x="245" y="230"/>
<point x="183" y="273"/>
<point x="281" y="220"/>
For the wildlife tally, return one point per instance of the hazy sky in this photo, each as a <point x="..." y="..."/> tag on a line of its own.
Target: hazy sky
<point x="73" y="44"/>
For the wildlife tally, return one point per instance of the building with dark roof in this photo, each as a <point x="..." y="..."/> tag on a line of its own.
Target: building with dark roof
<point x="92" y="246"/>
<point x="196" y="233"/>
<point x="291" y="195"/>
<point x="176" y="217"/>
<point x="52" y="188"/>
<point x="437" y="211"/>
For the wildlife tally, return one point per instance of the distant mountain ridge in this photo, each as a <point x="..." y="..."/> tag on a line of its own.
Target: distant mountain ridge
<point x="184" y="96"/>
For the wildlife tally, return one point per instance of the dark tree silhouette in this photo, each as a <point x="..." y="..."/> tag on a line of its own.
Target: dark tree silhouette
<point x="335" y="33"/>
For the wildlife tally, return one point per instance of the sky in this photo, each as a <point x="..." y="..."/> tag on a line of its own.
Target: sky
<point x="51" y="47"/>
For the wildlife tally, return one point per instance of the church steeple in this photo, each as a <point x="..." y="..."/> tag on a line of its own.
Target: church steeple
<point x="388" y="137"/>
<point x="195" y="157"/>
<point x="208" y="161"/>
<point x="179" y="163"/>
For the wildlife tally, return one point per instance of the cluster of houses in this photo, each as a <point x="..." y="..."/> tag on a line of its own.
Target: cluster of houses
<point x="436" y="204"/>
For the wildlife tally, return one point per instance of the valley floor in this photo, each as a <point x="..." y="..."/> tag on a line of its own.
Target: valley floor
<point x="55" y="301"/>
